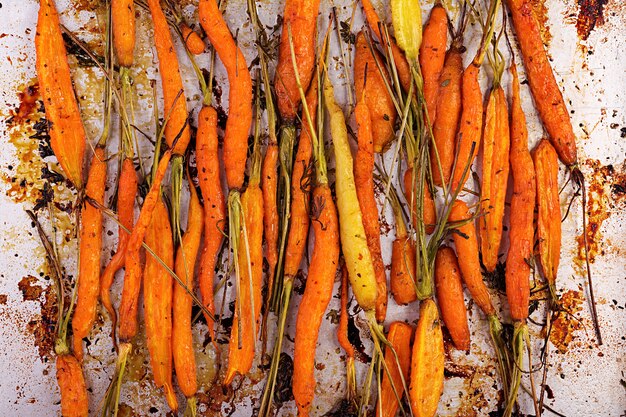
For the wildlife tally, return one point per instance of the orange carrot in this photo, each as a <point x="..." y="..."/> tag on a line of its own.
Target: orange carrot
<point x="402" y="66"/>
<point x="342" y="336"/>
<point x="126" y="193"/>
<point x="403" y="267"/>
<point x="546" y="92"/>
<point x="90" y="251"/>
<point x="427" y="362"/>
<point x="123" y="25"/>
<point x="301" y="17"/>
<point x="239" y="95"/>
<point x="521" y="231"/>
<point x="548" y="211"/>
<point x="65" y="127"/>
<point x="400" y="338"/>
<point x="450" y="297"/>
<point x="370" y="85"/>
<point x="432" y="56"/>
<point x="319" y="287"/>
<point x="74" y="399"/>
<point x="448" y="112"/>
<point x="209" y="179"/>
<point x="240" y="357"/>
<point x="175" y="103"/>
<point x="364" y="180"/>
<point x="467" y="251"/>
<point x="429" y="214"/>
<point x="182" y="337"/>
<point x="157" y="301"/>
<point x="300" y="192"/>
<point x="496" y="144"/>
<point x="470" y="129"/>
<point x="134" y="273"/>
<point x="194" y="42"/>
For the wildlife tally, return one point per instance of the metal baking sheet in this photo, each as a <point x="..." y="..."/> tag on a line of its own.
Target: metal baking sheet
<point x="585" y="40"/>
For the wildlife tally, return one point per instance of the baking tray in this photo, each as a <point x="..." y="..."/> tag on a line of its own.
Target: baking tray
<point x="585" y="41"/>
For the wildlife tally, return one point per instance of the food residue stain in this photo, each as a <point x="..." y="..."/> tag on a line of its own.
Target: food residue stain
<point x="565" y="322"/>
<point x="590" y="15"/>
<point x="31" y="290"/>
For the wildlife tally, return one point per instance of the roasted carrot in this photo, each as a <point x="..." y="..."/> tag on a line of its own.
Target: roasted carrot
<point x="301" y="17"/>
<point x="450" y="297"/>
<point x="427" y="362"/>
<point x="392" y="388"/>
<point x="182" y="337"/>
<point x="545" y="90"/>
<point x="74" y="399"/>
<point x="548" y="211"/>
<point x="319" y="287"/>
<point x="370" y="86"/>
<point x="123" y="25"/>
<point x="342" y="337"/>
<point x="521" y="230"/>
<point x="403" y="268"/>
<point x="432" y="57"/>
<point x="301" y="182"/>
<point x="364" y="181"/>
<point x="157" y="301"/>
<point x="126" y="193"/>
<point x="132" y="278"/>
<point x="496" y="145"/>
<point x="175" y="103"/>
<point x="210" y="183"/>
<point x="429" y="210"/>
<point x="239" y="94"/>
<point x="466" y="245"/>
<point x="471" y="125"/>
<point x="194" y="42"/>
<point x="90" y="251"/>
<point x="402" y="65"/>
<point x="65" y="127"/>
<point x="448" y="114"/>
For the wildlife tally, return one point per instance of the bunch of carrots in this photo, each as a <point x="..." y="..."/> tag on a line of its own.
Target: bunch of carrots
<point x="267" y="202"/>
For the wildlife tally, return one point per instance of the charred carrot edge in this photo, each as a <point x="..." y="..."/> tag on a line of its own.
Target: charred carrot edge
<point x="301" y="16"/>
<point x="194" y="42"/>
<point x="450" y="297"/>
<point x="370" y="83"/>
<point x="90" y="251"/>
<point x="127" y="191"/>
<point x="209" y="179"/>
<point x="402" y="65"/>
<point x="399" y="337"/>
<point x="124" y="37"/>
<point x="158" y="301"/>
<point x="447" y="116"/>
<point x="548" y="211"/>
<point x="239" y="95"/>
<point x="301" y="182"/>
<point x="427" y="362"/>
<point x="364" y="181"/>
<point x="182" y="337"/>
<point x="432" y="57"/>
<point x="65" y="127"/>
<point x="319" y="287"/>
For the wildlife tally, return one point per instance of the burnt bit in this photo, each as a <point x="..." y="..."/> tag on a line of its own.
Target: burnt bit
<point x="565" y="323"/>
<point x="284" y="376"/>
<point x="30" y="289"/>
<point x="354" y="336"/>
<point x="345" y="408"/>
<point x="589" y="16"/>
<point x="43" y="326"/>
<point x="28" y="98"/>
<point x="83" y="59"/>
<point x="497" y="278"/>
<point x="3" y="299"/>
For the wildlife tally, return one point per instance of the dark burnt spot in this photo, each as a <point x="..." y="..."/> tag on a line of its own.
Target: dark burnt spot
<point x="283" y="392"/>
<point x="345" y="408"/>
<point x="354" y="336"/>
<point x="30" y="289"/>
<point x="589" y="16"/>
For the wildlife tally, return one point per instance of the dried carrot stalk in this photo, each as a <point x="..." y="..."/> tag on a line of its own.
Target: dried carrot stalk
<point x="90" y="251"/>
<point x="450" y="297"/>
<point x="391" y="389"/>
<point x="427" y="362"/>
<point x="65" y="127"/>
<point x="157" y="301"/>
<point x="371" y="87"/>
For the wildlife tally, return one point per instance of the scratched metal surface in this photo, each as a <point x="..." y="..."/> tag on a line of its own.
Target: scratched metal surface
<point x="584" y="378"/>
